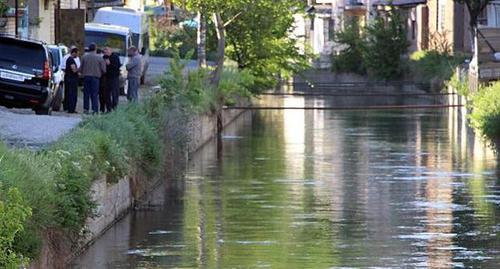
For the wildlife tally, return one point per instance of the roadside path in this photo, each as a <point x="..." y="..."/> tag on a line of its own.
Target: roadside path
<point x="33" y="131"/>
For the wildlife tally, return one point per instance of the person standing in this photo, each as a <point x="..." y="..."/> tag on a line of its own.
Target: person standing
<point x="92" y="69"/>
<point x="63" y="67"/>
<point x="113" y="65"/>
<point x="134" y="67"/>
<point x="102" y="86"/>
<point x="71" y="81"/>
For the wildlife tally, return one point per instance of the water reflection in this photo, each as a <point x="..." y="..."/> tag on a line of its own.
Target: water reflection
<point x="323" y="189"/>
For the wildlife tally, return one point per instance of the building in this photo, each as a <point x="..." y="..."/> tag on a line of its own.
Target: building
<point x="42" y="20"/>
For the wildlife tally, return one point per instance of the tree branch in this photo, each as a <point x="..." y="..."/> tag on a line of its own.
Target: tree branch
<point x="232" y="19"/>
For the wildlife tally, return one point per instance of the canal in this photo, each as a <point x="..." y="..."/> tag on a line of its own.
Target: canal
<point x="322" y="189"/>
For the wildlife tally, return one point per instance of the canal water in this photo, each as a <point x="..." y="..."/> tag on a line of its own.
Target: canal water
<point x="322" y="189"/>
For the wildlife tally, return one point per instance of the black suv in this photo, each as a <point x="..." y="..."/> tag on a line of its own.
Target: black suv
<point x="26" y="75"/>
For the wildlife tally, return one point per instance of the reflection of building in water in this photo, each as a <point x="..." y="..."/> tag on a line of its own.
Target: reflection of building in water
<point x="294" y="134"/>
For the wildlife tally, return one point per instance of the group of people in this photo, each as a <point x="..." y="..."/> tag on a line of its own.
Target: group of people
<point x="100" y="70"/>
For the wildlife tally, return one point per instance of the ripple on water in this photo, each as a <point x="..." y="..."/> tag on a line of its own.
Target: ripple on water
<point x="426" y="236"/>
<point x="160" y="232"/>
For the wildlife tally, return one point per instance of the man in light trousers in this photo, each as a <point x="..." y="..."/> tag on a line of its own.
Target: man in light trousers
<point x="134" y="68"/>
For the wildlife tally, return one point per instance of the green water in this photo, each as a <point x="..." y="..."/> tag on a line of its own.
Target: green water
<point x="322" y="189"/>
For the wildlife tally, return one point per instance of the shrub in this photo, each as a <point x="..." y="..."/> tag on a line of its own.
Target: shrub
<point x="376" y="49"/>
<point x="431" y="65"/>
<point x="485" y="116"/>
<point x="461" y="86"/>
<point x="385" y="44"/>
<point x="13" y="214"/>
<point x="350" y="59"/>
<point x="193" y="89"/>
<point x="32" y="176"/>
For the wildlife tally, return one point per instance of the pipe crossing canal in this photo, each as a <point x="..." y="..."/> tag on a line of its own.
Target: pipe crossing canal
<point x="398" y="188"/>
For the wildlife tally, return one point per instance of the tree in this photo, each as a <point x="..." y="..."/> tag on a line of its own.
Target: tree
<point x="475" y="8"/>
<point x="384" y="45"/>
<point x="256" y="35"/>
<point x="260" y="40"/>
<point x="350" y="58"/>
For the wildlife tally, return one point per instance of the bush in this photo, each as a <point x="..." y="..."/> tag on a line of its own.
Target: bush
<point x="193" y="90"/>
<point x="13" y="214"/>
<point x="426" y="66"/>
<point x="385" y="44"/>
<point x="377" y="51"/>
<point x="32" y="176"/>
<point x="485" y="115"/>
<point x="350" y="59"/>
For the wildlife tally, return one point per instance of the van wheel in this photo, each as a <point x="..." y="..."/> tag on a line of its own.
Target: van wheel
<point x="57" y="101"/>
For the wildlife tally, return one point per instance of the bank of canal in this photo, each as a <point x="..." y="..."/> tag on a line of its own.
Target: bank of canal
<point x="322" y="189"/>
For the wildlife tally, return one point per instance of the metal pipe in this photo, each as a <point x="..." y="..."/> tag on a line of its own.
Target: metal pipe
<point x="342" y="107"/>
<point x="16" y="16"/>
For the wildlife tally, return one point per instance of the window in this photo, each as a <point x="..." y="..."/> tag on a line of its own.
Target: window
<point x="413" y="30"/>
<point x="441" y="16"/>
<point x="115" y="41"/>
<point x="331" y="29"/>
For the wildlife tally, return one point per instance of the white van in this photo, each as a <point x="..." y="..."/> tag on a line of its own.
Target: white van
<point x="138" y="24"/>
<point x="118" y="38"/>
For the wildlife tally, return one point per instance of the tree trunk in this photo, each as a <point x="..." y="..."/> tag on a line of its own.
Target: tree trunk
<point x="202" y="40"/>
<point x="221" y="48"/>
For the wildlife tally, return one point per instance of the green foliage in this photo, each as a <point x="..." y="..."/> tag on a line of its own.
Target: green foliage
<point x="259" y="40"/>
<point x="350" y="59"/>
<point x="179" y="86"/>
<point x="433" y="65"/>
<point x="4" y="8"/>
<point x="385" y="44"/>
<point x="32" y="175"/>
<point x="485" y="115"/>
<point x="13" y="213"/>
<point x="377" y="51"/>
<point x="167" y="39"/>
<point x="461" y="86"/>
<point x="192" y="90"/>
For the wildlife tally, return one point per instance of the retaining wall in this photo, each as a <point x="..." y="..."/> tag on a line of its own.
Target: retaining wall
<point x="116" y="199"/>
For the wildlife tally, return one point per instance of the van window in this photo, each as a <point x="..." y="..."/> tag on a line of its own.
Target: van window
<point x="23" y="56"/>
<point x="55" y="56"/>
<point x="116" y="42"/>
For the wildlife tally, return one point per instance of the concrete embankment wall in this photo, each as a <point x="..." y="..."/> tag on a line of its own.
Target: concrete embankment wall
<point x="116" y="199"/>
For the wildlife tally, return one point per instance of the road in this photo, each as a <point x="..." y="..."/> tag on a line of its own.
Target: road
<point x="158" y="66"/>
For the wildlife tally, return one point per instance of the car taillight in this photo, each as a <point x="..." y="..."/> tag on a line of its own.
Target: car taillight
<point x="47" y="73"/>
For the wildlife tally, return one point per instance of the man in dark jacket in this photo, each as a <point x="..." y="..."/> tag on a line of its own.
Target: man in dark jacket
<point x="112" y="89"/>
<point x="71" y="81"/>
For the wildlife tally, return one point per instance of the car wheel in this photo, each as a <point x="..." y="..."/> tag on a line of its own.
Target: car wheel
<point x="57" y="101"/>
<point x="43" y="110"/>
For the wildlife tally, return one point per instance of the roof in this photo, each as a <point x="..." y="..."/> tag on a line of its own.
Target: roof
<point x="398" y="3"/>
